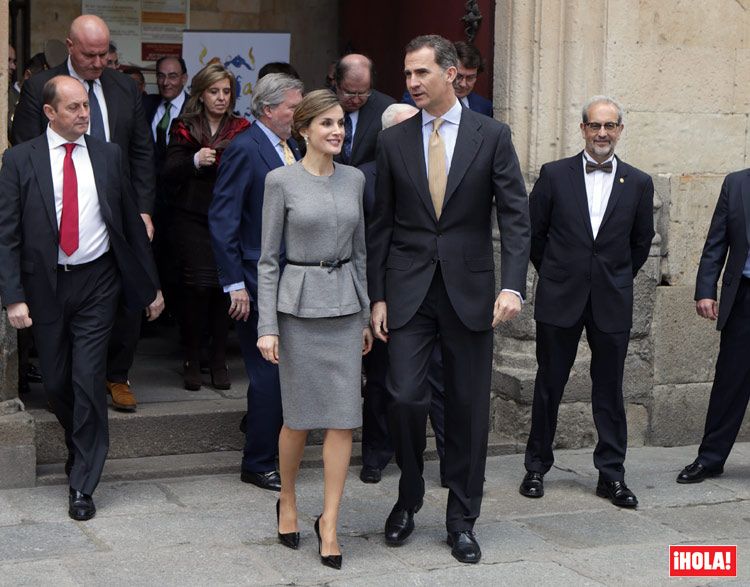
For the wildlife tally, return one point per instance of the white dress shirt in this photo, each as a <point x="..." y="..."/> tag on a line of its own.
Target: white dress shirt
<point x="93" y="238"/>
<point x="99" y="97"/>
<point x="598" y="188"/>
<point x="174" y="111"/>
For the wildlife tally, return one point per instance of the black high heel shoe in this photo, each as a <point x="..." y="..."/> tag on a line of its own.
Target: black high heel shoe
<point x="290" y="539"/>
<point x="331" y="560"/>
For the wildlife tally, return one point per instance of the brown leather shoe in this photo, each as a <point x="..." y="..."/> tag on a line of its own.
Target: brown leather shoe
<point x="191" y="374"/>
<point x="220" y="377"/>
<point x="122" y="397"/>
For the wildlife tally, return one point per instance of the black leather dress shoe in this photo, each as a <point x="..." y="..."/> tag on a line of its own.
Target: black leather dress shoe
<point x="269" y="480"/>
<point x="464" y="546"/>
<point x="695" y="472"/>
<point x="532" y="484"/>
<point x="616" y="492"/>
<point x="80" y="506"/>
<point x="399" y="525"/>
<point x="32" y="374"/>
<point x="370" y="475"/>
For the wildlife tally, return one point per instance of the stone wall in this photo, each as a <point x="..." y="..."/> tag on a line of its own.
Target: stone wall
<point x="681" y="70"/>
<point x="313" y="47"/>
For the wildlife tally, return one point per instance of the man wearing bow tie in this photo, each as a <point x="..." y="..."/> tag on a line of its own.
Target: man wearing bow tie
<point x="591" y="230"/>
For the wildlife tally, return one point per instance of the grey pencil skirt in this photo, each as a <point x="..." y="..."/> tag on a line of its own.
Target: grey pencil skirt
<point x="320" y="371"/>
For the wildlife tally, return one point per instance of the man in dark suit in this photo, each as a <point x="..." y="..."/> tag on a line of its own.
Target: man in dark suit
<point x="234" y="220"/>
<point x="363" y="106"/>
<point x="70" y="241"/>
<point x="728" y="241"/>
<point x="377" y="449"/>
<point x="116" y="117"/>
<point x="161" y="110"/>
<point x="431" y="273"/>
<point x="591" y="230"/>
<point x="470" y="65"/>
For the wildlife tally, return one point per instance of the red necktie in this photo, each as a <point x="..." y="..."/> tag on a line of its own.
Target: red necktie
<point x="69" y="217"/>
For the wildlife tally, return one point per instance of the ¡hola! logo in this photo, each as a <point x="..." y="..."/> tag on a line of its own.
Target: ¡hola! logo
<point x="702" y="561"/>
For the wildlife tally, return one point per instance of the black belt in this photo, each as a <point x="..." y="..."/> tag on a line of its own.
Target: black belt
<point x="67" y="267"/>
<point x="330" y="265"/>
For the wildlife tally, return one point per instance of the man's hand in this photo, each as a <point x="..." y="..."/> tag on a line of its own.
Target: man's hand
<point x="18" y="315"/>
<point x="268" y="346"/>
<point x="149" y="226"/>
<point x="156" y="307"/>
<point x="707" y="308"/>
<point x="379" y="320"/>
<point x="366" y="340"/>
<point x="507" y="307"/>
<point x="240" y="306"/>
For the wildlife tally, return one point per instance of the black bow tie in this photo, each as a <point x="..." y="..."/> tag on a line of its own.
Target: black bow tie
<point x="606" y="167"/>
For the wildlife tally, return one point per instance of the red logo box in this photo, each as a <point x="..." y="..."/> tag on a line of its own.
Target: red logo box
<point x="699" y="560"/>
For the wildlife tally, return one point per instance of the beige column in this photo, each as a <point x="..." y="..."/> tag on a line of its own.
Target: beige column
<point x="17" y="448"/>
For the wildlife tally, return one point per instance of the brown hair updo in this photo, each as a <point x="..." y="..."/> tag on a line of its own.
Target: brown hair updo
<point x="312" y="105"/>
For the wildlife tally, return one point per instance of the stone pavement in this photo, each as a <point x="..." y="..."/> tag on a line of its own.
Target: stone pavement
<point x="214" y="530"/>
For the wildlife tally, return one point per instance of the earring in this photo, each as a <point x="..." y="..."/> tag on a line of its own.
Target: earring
<point x="305" y="138"/>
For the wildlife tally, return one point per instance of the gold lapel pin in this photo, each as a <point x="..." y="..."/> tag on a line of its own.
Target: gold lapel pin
<point x="622" y="180"/>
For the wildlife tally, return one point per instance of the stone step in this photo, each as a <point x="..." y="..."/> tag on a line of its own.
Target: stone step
<point x="221" y="462"/>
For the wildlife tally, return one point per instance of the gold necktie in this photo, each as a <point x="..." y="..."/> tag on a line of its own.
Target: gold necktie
<point x="437" y="177"/>
<point x="288" y="155"/>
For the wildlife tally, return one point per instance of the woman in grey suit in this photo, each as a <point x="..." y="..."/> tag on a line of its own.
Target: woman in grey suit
<point x="313" y="311"/>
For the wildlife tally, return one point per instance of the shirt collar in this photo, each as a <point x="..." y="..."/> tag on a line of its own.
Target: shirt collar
<point x="74" y="74"/>
<point x="177" y="101"/>
<point x="587" y="157"/>
<point x="272" y="136"/>
<point x="453" y="115"/>
<point x="55" y="140"/>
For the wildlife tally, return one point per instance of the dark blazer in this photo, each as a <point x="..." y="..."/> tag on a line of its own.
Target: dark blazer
<point x="729" y="233"/>
<point x="29" y="231"/>
<point x="572" y="265"/>
<point x="234" y="217"/>
<point x="127" y="125"/>
<point x="368" y="197"/>
<point x="406" y="240"/>
<point x="369" y="124"/>
<point x="477" y="103"/>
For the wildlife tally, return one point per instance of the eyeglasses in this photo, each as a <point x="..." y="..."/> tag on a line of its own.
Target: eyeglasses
<point x="597" y="126"/>
<point x="466" y="78"/>
<point x="352" y="95"/>
<point x="170" y="76"/>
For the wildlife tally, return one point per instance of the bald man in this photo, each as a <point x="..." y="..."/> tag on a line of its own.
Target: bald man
<point x="363" y="108"/>
<point x="116" y="117"/>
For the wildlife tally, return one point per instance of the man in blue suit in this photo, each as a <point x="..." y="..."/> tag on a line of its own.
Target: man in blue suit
<point x="234" y="220"/>
<point x="470" y="65"/>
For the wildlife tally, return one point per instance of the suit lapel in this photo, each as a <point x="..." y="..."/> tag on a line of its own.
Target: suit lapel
<point x="110" y="98"/>
<point x="43" y="171"/>
<point x="412" y="152"/>
<point x="746" y="204"/>
<point x="265" y="148"/>
<point x="295" y="149"/>
<point x="578" y="183"/>
<point x="99" y="168"/>
<point x="468" y="141"/>
<point x="617" y="188"/>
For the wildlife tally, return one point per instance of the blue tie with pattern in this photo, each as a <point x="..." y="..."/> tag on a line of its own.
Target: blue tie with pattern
<point x="95" y="115"/>
<point x="347" y="138"/>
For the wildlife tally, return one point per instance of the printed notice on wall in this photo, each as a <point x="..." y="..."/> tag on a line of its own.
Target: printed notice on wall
<point x="143" y="30"/>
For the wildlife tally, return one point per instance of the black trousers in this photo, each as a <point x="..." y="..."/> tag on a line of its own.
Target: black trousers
<point x="467" y="367"/>
<point x="123" y="343"/>
<point x="72" y="357"/>
<point x="555" y="352"/>
<point x="377" y="449"/>
<point x="731" y="389"/>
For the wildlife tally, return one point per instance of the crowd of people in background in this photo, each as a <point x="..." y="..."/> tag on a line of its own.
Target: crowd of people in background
<point x="336" y="224"/>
